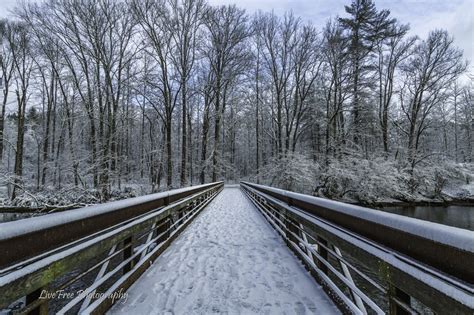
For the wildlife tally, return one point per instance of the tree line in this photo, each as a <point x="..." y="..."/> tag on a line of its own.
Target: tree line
<point x="100" y="93"/>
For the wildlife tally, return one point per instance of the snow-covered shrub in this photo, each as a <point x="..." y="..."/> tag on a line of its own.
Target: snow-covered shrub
<point x="413" y="183"/>
<point x="440" y="183"/>
<point x="291" y="172"/>
<point x="386" y="180"/>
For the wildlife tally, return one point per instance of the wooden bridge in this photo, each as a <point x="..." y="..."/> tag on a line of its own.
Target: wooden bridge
<point x="360" y="261"/>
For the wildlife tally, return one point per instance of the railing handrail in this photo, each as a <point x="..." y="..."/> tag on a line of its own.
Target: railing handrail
<point x="446" y="248"/>
<point x="385" y="280"/>
<point x="29" y="237"/>
<point x="117" y="256"/>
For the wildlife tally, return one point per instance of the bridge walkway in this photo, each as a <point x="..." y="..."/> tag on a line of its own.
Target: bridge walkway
<point x="229" y="260"/>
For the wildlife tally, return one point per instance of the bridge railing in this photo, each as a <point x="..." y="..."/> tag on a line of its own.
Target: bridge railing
<point x="370" y="261"/>
<point x="83" y="260"/>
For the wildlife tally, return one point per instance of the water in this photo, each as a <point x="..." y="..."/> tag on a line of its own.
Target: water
<point x="11" y="216"/>
<point x="458" y="216"/>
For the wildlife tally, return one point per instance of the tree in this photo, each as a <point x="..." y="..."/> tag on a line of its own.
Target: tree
<point x="335" y="86"/>
<point x="280" y="40"/>
<point x="153" y="17"/>
<point x="227" y="57"/>
<point x="186" y="18"/>
<point x="427" y="74"/>
<point x="467" y="114"/>
<point x="366" y="27"/>
<point x="7" y="68"/>
<point x="391" y="52"/>
<point x="19" y="42"/>
<point x="155" y="92"/>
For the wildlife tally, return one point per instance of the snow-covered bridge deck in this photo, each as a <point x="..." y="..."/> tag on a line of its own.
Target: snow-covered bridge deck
<point x="229" y="260"/>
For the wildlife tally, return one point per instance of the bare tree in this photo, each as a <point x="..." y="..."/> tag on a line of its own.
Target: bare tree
<point x="433" y="64"/>
<point x="19" y="42"/>
<point x="227" y="57"/>
<point x="7" y="67"/>
<point x="336" y="56"/>
<point x="153" y="16"/>
<point x="186" y="18"/>
<point x="391" y="52"/>
<point x="280" y="40"/>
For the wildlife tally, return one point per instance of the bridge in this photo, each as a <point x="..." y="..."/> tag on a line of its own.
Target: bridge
<point x="244" y="248"/>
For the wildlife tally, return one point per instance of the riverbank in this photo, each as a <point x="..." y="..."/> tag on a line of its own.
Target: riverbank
<point x="375" y="182"/>
<point x="419" y="203"/>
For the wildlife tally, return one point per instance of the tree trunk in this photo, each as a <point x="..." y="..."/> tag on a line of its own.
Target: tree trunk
<point x="169" y="165"/>
<point x="18" y="168"/>
<point x="184" y="134"/>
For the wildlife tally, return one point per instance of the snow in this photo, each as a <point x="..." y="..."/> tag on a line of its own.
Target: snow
<point x="379" y="179"/>
<point x="452" y="236"/>
<point x="228" y="260"/>
<point x="459" y="291"/>
<point x="11" y="229"/>
<point x="432" y="278"/>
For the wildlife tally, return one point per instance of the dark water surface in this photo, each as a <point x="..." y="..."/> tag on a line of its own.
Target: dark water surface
<point x="458" y="216"/>
<point x="11" y="216"/>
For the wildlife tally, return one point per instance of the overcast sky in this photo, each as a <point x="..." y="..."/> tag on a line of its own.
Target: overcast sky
<point x="423" y="15"/>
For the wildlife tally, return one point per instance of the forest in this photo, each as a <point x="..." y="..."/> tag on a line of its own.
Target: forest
<point x="107" y="99"/>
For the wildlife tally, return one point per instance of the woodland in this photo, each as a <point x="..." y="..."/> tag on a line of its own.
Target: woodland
<point x="108" y="99"/>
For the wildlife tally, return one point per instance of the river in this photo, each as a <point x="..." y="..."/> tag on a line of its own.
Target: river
<point x="458" y="216"/>
<point x="11" y="216"/>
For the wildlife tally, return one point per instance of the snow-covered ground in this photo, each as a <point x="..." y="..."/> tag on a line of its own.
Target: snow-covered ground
<point x="229" y="260"/>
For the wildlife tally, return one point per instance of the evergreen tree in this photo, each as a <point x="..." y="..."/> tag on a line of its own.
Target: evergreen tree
<point x="366" y="27"/>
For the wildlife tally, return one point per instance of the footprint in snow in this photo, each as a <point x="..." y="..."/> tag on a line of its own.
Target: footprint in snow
<point x="300" y="308"/>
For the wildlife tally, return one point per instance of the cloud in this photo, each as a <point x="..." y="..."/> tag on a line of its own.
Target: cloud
<point x="456" y="16"/>
<point x="5" y="6"/>
<point x="423" y="15"/>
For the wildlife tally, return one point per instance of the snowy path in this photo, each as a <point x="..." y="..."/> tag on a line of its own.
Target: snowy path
<point x="230" y="261"/>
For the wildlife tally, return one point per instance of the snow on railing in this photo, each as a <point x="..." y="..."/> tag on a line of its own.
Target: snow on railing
<point x="29" y="237"/>
<point x="361" y="248"/>
<point x="445" y="247"/>
<point x="110" y="258"/>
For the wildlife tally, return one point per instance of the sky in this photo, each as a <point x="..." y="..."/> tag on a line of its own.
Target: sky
<point x="457" y="16"/>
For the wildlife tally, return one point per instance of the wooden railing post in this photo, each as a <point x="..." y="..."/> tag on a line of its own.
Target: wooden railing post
<point x="127" y="253"/>
<point x="324" y="254"/>
<point x="42" y="309"/>
<point x="290" y="225"/>
<point x="395" y="308"/>
<point x="163" y="226"/>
